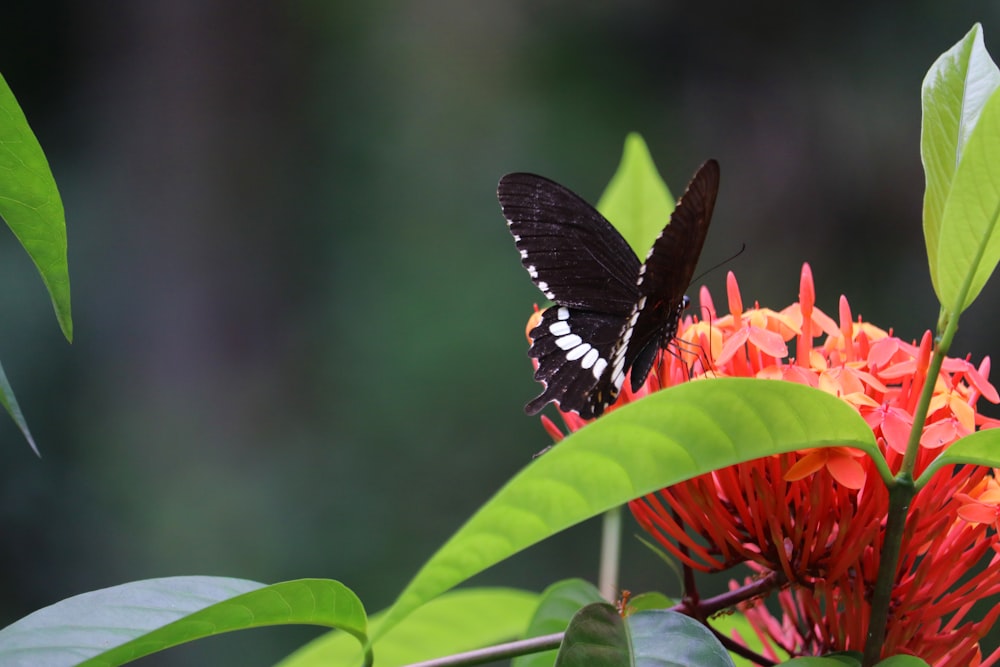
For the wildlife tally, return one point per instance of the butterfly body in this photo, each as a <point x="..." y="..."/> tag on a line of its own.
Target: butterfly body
<point x="612" y="312"/>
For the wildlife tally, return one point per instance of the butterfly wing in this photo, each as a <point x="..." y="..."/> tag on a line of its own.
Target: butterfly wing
<point x="666" y="275"/>
<point x="573" y="348"/>
<point x="612" y="312"/>
<point x="572" y="253"/>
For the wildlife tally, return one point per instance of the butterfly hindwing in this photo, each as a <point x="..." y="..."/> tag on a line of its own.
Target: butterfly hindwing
<point x="572" y="253"/>
<point x="573" y="348"/>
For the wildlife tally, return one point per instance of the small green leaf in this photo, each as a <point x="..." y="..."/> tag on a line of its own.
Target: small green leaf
<point x="458" y="621"/>
<point x="969" y="247"/>
<point x="667" y="437"/>
<point x="981" y="448"/>
<point x="667" y="638"/>
<point x="736" y="622"/>
<point x="649" y="600"/>
<point x="834" y="660"/>
<point x="30" y="203"/>
<point x="558" y="604"/>
<point x="596" y="637"/>
<point x="954" y="92"/>
<point x="637" y="201"/>
<point x="115" y="625"/>
<point x="903" y="661"/>
<point x="14" y="410"/>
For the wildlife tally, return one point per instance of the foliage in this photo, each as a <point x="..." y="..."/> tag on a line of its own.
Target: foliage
<point x="682" y="432"/>
<point x="30" y="204"/>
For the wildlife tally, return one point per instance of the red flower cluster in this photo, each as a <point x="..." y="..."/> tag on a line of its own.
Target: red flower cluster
<point x="817" y="518"/>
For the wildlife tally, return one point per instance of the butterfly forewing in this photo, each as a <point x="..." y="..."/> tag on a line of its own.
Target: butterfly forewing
<point x="671" y="261"/>
<point x="666" y="274"/>
<point x="572" y="253"/>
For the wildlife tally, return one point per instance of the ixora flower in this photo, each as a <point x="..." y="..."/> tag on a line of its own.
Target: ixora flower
<point x="812" y="522"/>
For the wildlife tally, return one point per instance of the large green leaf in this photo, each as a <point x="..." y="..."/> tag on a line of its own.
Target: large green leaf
<point x="969" y="243"/>
<point x="115" y="625"/>
<point x="458" y="621"/>
<point x="954" y="92"/>
<point x="665" y="438"/>
<point x="637" y="200"/>
<point x="668" y="639"/>
<point x="30" y="203"/>
<point x="14" y="410"/>
<point x="558" y="604"/>
<point x="981" y="448"/>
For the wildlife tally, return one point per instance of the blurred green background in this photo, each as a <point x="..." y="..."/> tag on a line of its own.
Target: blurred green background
<point x="299" y="315"/>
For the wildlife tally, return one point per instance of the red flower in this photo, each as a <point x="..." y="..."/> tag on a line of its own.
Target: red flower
<point x="817" y="517"/>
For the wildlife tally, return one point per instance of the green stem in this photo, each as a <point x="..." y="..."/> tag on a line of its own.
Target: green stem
<point x="611" y="540"/>
<point x="901" y="493"/>
<point x="900" y="496"/>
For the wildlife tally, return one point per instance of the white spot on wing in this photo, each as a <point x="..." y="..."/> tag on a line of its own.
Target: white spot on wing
<point x="626" y="337"/>
<point x="578" y="352"/>
<point x="599" y="368"/>
<point x="524" y="254"/>
<point x="532" y="271"/>
<point x="590" y="358"/>
<point x="560" y="328"/>
<point x="619" y="379"/>
<point x="568" y="342"/>
<point x="563" y="313"/>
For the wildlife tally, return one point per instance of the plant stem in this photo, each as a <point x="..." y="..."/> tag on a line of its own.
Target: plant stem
<point x="611" y="541"/>
<point x="900" y="495"/>
<point x="498" y="652"/>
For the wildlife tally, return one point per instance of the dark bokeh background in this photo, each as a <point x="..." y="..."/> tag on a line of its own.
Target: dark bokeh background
<point x="299" y="316"/>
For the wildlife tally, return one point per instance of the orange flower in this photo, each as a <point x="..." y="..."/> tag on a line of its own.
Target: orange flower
<point x="815" y="518"/>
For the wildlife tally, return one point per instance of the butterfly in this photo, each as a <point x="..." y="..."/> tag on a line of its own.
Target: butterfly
<point x="611" y="313"/>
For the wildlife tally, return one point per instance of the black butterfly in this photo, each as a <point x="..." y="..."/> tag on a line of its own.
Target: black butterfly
<point x="612" y="313"/>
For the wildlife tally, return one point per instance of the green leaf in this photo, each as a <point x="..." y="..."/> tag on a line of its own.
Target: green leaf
<point x="458" y="621"/>
<point x="649" y="600"/>
<point x="14" y="410"/>
<point x="981" y="448"/>
<point x="662" y="638"/>
<point x="637" y="201"/>
<point x="596" y="637"/>
<point x="665" y="438"/>
<point x="30" y="203"/>
<point x="954" y="92"/>
<point x="903" y="661"/>
<point x="736" y="622"/>
<point x="835" y="660"/>
<point x="115" y="625"/>
<point x="969" y="246"/>
<point x="558" y="604"/>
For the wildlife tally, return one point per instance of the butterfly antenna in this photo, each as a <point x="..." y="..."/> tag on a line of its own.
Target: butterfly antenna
<point x="743" y="246"/>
